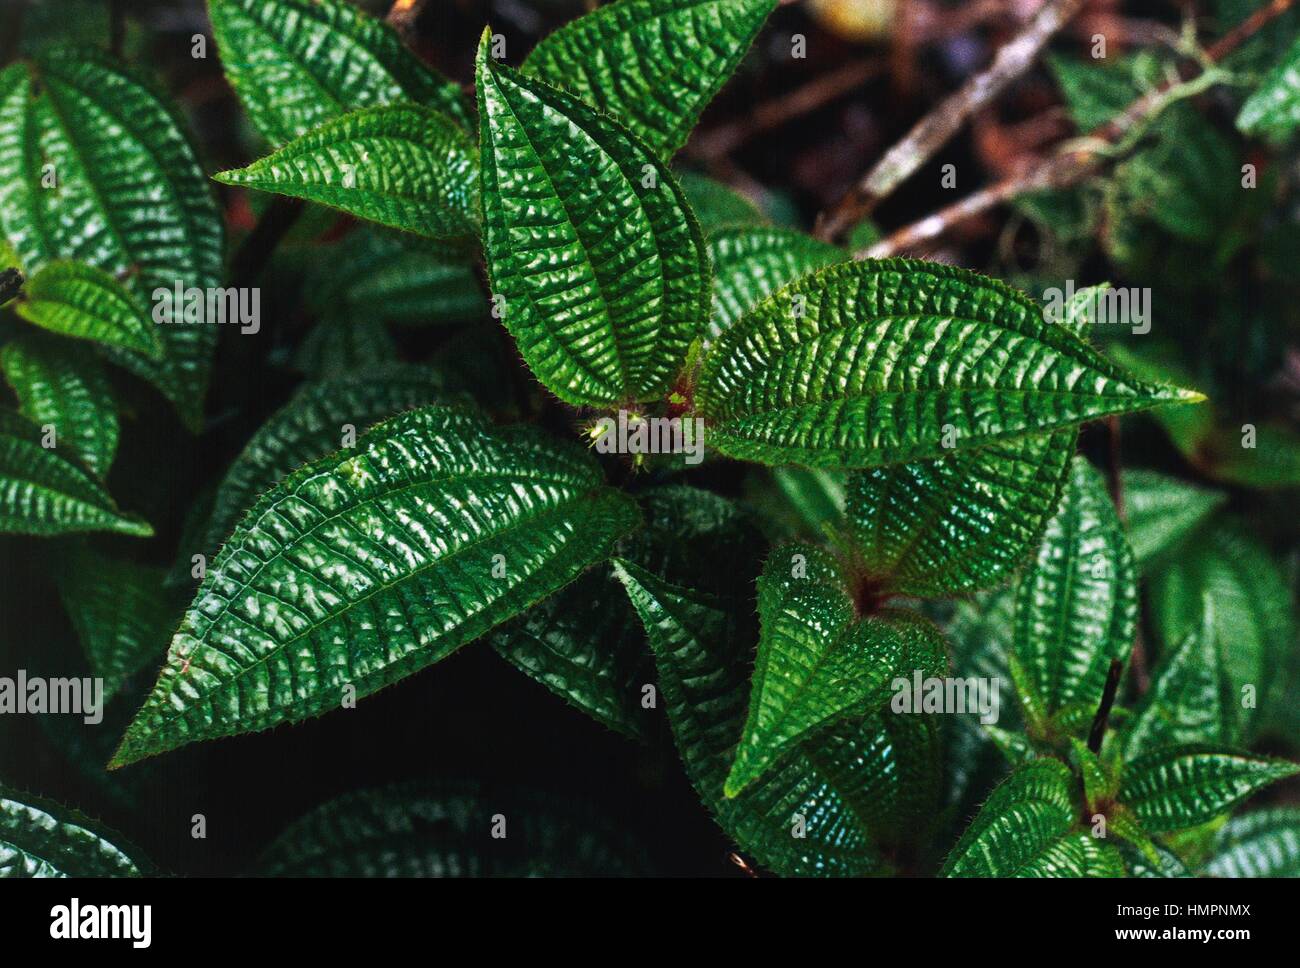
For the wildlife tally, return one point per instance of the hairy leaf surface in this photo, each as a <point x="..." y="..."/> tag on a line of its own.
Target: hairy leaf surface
<point x="597" y="265"/>
<point x="653" y="64"/>
<point x="1076" y="604"/>
<point x="1026" y="828"/>
<point x="368" y="565"/>
<point x="818" y="662"/>
<point x="296" y="64"/>
<point x="873" y="363"/>
<point x="131" y="199"/>
<point x="38" y="839"/>
<point x="401" y="165"/>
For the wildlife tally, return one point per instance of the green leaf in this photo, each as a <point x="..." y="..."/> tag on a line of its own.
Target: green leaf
<point x="296" y="64"/>
<point x="446" y="830"/>
<point x="1264" y="843"/>
<point x="1161" y="511"/>
<point x="130" y="199"/>
<point x="402" y="165"/>
<point x="819" y="663"/>
<point x="313" y="424"/>
<point x="43" y="493"/>
<point x="586" y="643"/>
<point x="796" y="501"/>
<point x="63" y="385"/>
<point x="1099" y="784"/>
<point x="339" y="345"/>
<point x="39" y="839"/>
<point x="853" y="776"/>
<point x="603" y="282"/>
<point x="1251" y="605"/>
<point x="958" y="524"/>
<point x="1168" y="864"/>
<point x="716" y="205"/>
<point x="653" y="64"/>
<point x="366" y="566"/>
<point x="1273" y="110"/>
<point x="1094" y="93"/>
<point x="1191" y="699"/>
<point x="1179" y="787"/>
<point x="75" y="299"/>
<point x="121" y="613"/>
<point x="1026" y="829"/>
<point x="1076" y="604"/>
<point x="392" y="277"/>
<point x="751" y="263"/>
<point x="881" y="362"/>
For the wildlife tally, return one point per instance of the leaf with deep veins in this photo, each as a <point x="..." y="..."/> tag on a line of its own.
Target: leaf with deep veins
<point x="296" y="64"/>
<point x="131" y="199"/>
<point x="39" y="839"/>
<point x="402" y="165"/>
<point x="368" y="565"/>
<point x="1076" y="604"/>
<point x="76" y="299"/>
<point x="596" y="263"/>
<point x="880" y="362"/>
<point x="653" y="64"/>
<point x="819" y="662"/>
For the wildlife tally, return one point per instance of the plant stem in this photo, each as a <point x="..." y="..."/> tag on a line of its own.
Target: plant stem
<point x="1072" y="166"/>
<point x="1098" y="730"/>
<point x="252" y="255"/>
<point x="935" y="130"/>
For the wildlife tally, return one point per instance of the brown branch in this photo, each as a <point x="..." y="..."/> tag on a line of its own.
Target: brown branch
<point x="817" y="93"/>
<point x="403" y="15"/>
<point x="935" y="130"/>
<point x="255" y="251"/>
<point x="1069" y="167"/>
<point x="1098" y="731"/>
<point x="11" y="284"/>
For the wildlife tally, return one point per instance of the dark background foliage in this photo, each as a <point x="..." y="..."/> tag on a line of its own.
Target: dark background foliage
<point x="474" y="716"/>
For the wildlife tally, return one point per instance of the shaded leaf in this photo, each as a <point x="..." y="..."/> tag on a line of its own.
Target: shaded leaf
<point x="717" y="205"/>
<point x="653" y="64"/>
<point x="364" y="567"/>
<point x="1160" y="511"/>
<point x="63" y="385"/>
<point x="76" y="299"/>
<point x="296" y="64"/>
<point x="699" y="642"/>
<point x="1191" y="699"/>
<point x="958" y="524"/>
<point x="873" y="363"/>
<point x="1263" y="843"/>
<point x="1179" y="787"/>
<point x="122" y="615"/>
<point x="39" y="839"/>
<point x="1251" y="606"/>
<point x="43" y="493"/>
<point x="818" y="662"/>
<point x="591" y="249"/>
<point x="340" y="345"/>
<point x="751" y="263"/>
<point x="130" y="199"/>
<point x="1273" y="109"/>
<point x="446" y="830"/>
<point x="402" y="165"/>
